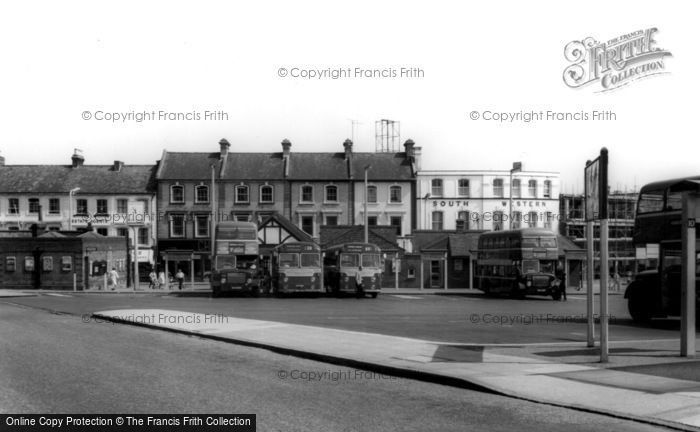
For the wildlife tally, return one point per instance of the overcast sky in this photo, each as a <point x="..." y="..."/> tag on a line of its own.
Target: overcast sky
<point x="507" y="56"/>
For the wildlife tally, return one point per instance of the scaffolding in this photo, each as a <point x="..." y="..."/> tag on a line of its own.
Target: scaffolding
<point x="387" y="136"/>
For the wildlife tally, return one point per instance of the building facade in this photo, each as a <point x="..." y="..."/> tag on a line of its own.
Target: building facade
<point x="487" y="200"/>
<point x="114" y="200"/>
<point x="308" y="189"/>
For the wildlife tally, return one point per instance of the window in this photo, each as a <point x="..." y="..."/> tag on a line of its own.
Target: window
<point x="371" y="194"/>
<point x="437" y="220"/>
<point x="102" y="231"/>
<point x="307" y="194"/>
<point x="242" y="194"/>
<point x="81" y="207"/>
<point x="332" y="220"/>
<point x="462" y="220"/>
<point x="202" y="225"/>
<point x="54" y="206"/>
<point x="532" y="220"/>
<point x="652" y="201"/>
<point x="122" y="232"/>
<point x="395" y="194"/>
<point x="548" y="220"/>
<point x="66" y="263"/>
<point x="498" y="188"/>
<point x="463" y="187"/>
<point x="122" y="205"/>
<point x="201" y="194"/>
<point x="13" y="205"/>
<point x="498" y="221"/>
<point x="411" y="273"/>
<point x="436" y="187"/>
<point x="532" y="188"/>
<point x="517" y="220"/>
<point x="47" y="263"/>
<point x="143" y="236"/>
<point x="331" y="193"/>
<point x="515" y="189"/>
<point x="307" y="224"/>
<point x="242" y="217"/>
<point x="371" y="221"/>
<point x="33" y="205"/>
<point x="266" y="194"/>
<point x="177" y="225"/>
<point x="547" y="192"/>
<point x="396" y="222"/>
<point x="10" y="264"/>
<point x="458" y="264"/>
<point x="177" y="194"/>
<point x="101" y="206"/>
<point x="28" y="264"/>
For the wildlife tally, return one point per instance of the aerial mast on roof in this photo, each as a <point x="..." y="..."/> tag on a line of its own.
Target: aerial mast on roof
<point x="387" y="136"/>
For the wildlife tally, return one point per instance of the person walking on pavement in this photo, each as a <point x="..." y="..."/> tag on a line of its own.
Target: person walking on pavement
<point x="161" y="279"/>
<point x="180" y="276"/>
<point x="113" y="278"/>
<point x="562" y="282"/>
<point x="152" y="279"/>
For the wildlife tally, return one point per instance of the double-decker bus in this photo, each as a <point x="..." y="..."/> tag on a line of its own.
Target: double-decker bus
<point x="236" y="266"/>
<point x="656" y="292"/>
<point x="353" y="268"/>
<point x="518" y="262"/>
<point x="296" y="268"/>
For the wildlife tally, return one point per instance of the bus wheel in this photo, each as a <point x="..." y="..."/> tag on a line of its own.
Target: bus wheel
<point x="487" y="290"/>
<point x="638" y="305"/>
<point x="216" y="293"/>
<point x="255" y="292"/>
<point x="556" y="296"/>
<point x="374" y="295"/>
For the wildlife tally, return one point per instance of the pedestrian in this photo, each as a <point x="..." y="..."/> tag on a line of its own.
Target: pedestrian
<point x="161" y="279"/>
<point x="359" y="289"/>
<point x="561" y="276"/>
<point x="152" y="279"/>
<point x="180" y="276"/>
<point x="113" y="278"/>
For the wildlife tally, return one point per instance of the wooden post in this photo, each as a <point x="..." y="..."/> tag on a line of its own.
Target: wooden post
<point x="590" y="274"/>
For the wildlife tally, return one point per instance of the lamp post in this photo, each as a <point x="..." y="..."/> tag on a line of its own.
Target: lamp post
<point x="517" y="167"/>
<point x="366" y="217"/>
<point x="70" y="207"/>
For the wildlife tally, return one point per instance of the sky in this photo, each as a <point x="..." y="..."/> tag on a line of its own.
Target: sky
<point x="67" y="66"/>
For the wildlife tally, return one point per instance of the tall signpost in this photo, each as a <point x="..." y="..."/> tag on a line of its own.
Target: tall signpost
<point x="596" y="184"/>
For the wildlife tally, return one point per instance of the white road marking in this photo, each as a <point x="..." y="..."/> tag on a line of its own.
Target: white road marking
<point x="408" y="297"/>
<point x="57" y="295"/>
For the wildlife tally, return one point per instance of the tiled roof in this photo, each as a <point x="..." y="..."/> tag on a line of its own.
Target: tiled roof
<point x="187" y="166"/>
<point x="566" y="246"/>
<point x="271" y="166"/>
<point x="91" y="179"/>
<point x="383" y="166"/>
<point x="462" y="244"/>
<point x="384" y="237"/>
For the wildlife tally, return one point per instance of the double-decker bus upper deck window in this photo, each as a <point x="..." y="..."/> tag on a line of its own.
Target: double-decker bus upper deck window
<point x="548" y="242"/>
<point x="289" y="260"/>
<point x="674" y="201"/>
<point x="224" y="262"/>
<point x="652" y="201"/>
<point x="529" y="242"/>
<point x="349" y="260"/>
<point x="370" y="260"/>
<point x="309" y="260"/>
<point x="237" y="234"/>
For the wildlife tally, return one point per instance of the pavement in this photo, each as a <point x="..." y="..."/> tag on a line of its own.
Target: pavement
<point x="645" y="381"/>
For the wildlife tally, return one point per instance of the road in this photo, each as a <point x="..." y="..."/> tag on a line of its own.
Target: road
<point x="54" y="363"/>
<point x="459" y="319"/>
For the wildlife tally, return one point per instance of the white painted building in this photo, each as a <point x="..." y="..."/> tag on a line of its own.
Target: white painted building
<point x="486" y="200"/>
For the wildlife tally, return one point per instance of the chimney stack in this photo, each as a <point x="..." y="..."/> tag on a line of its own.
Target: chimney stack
<point x="409" y="145"/>
<point x="348" y="148"/>
<point x="118" y="165"/>
<point x="224" y="146"/>
<point x="416" y="157"/>
<point x="77" y="158"/>
<point x="286" y="146"/>
<point x="2" y="160"/>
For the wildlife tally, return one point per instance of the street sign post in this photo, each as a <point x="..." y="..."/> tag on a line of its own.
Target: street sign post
<point x="596" y="201"/>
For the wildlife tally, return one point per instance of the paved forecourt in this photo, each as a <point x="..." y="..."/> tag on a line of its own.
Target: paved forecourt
<point x="555" y="373"/>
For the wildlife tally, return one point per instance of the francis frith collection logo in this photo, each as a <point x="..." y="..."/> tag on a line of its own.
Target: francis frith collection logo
<point x="615" y="63"/>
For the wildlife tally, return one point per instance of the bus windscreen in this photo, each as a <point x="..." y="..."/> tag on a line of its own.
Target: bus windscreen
<point x="236" y="234"/>
<point x="349" y="260"/>
<point x="310" y="260"/>
<point x="370" y="260"/>
<point x="224" y="262"/>
<point x="289" y="260"/>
